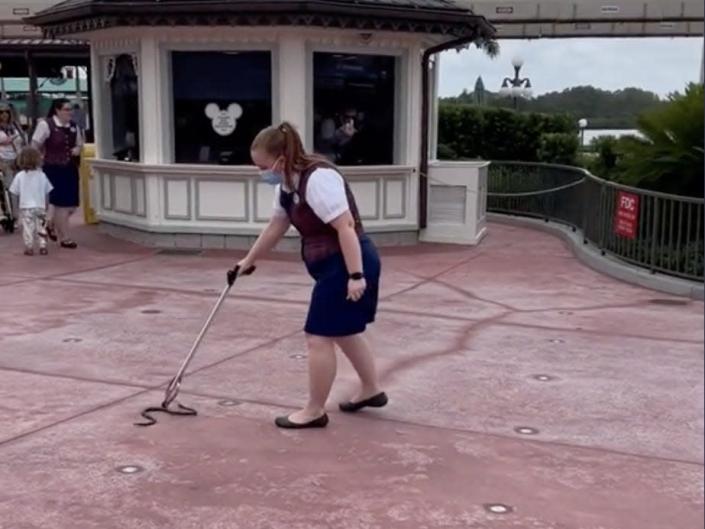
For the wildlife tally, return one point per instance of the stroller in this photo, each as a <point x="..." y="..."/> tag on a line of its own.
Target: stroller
<point x="7" y="216"/>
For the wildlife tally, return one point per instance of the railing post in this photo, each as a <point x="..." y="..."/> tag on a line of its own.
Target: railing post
<point x="654" y="227"/>
<point x="584" y="205"/>
<point x="602" y="213"/>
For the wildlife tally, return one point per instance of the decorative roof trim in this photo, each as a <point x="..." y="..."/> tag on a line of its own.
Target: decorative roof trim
<point x="106" y="22"/>
<point x="26" y="42"/>
<point x="451" y="22"/>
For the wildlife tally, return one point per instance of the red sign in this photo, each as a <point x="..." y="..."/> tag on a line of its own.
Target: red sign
<point x="627" y="217"/>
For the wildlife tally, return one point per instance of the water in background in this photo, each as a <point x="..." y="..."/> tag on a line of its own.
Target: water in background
<point x="595" y="133"/>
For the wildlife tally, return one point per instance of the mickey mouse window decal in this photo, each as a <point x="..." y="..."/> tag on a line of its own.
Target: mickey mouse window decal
<point x="224" y="122"/>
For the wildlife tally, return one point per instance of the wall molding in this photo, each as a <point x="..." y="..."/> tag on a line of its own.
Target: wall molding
<point x="385" y="194"/>
<point x="246" y="199"/>
<point x="167" y="204"/>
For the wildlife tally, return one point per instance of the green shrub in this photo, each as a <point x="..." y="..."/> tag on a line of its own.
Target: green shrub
<point x="558" y="147"/>
<point x="468" y="131"/>
<point x="444" y="152"/>
<point x="604" y="157"/>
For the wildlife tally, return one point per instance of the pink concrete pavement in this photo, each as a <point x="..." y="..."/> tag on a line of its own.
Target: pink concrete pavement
<point x="475" y="346"/>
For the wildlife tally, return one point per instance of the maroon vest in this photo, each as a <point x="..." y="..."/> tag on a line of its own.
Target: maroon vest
<point x="318" y="239"/>
<point x="57" y="148"/>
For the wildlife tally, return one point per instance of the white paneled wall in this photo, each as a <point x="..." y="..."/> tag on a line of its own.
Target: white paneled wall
<point x="223" y="199"/>
<point x="177" y="198"/>
<point x="232" y="200"/>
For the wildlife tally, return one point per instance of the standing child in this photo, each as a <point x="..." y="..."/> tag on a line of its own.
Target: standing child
<point x="32" y="187"/>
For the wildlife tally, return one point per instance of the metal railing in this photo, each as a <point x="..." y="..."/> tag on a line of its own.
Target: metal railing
<point x="665" y="233"/>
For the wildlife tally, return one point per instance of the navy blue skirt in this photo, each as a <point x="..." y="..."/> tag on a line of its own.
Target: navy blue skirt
<point x="330" y="313"/>
<point x="64" y="178"/>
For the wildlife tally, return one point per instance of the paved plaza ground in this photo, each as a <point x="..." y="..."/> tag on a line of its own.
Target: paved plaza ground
<point x="516" y="377"/>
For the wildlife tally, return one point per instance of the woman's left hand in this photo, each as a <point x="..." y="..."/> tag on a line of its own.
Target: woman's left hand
<point x="76" y="151"/>
<point x="356" y="288"/>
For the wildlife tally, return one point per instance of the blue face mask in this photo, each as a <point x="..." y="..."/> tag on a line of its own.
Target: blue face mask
<point x="271" y="177"/>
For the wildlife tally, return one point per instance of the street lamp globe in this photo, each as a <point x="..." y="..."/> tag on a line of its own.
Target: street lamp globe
<point x="582" y="123"/>
<point x="506" y="90"/>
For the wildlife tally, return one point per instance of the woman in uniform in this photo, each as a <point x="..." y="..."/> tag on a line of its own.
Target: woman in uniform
<point x="313" y="196"/>
<point x="60" y="140"/>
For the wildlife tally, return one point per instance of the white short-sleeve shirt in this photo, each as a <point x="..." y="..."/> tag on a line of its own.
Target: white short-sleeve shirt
<point x="32" y="187"/>
<point x="41" y="134"/>
<point x="325" y="194"/>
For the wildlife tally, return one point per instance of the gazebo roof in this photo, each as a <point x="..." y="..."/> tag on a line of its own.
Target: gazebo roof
<point x="440" y="17"/>
<point x="48" y="56"/>
<point x="7" y="44"/>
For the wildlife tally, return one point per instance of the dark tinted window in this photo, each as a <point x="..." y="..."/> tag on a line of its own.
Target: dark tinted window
<point x="221" y="101"/>
<point x="353" y="98"/>
<point x="125" y="109"/>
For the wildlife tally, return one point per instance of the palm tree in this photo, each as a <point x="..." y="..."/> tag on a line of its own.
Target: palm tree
<point x="669" y="157"/>
<point x="489" y="46"/>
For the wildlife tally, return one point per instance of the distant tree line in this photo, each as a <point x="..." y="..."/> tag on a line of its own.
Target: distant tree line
<point x="666" y="155"/>
<point x="603" y="109"/>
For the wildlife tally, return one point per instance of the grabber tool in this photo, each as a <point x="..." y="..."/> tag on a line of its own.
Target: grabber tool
<point x="172" y="389"/>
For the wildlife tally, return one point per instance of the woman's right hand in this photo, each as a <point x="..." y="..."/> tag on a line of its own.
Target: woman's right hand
<point x="243" y="266"/>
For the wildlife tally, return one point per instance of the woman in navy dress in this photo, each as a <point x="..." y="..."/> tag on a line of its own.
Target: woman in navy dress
<point x="314" y="197"/>
<point x="60" y="141"/>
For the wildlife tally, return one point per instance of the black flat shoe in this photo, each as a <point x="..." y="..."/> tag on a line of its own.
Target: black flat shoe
<point x="284" y="422"/>
<point x="50" y="232"/>
<point x="377" y="401"/>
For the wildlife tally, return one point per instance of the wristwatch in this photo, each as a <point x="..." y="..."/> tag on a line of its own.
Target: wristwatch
<point x="356" y="276"/>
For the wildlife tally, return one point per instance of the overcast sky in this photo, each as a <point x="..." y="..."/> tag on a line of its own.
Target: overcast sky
<point x="661" y="65"/>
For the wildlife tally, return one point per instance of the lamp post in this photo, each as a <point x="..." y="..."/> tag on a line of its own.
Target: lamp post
<point x="516" y="87"/>
<point x="3" y="95"/>
<point x="582" y="123"/>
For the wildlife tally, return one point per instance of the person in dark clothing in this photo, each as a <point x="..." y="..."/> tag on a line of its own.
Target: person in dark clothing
<point x="60" y="140"/>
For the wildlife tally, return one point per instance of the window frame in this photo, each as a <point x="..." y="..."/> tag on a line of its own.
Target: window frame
<point x="104" y="104"/>
<point x="165" y="56"/>
<point x="401" y="92"/>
